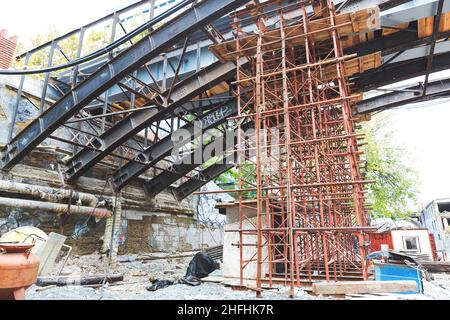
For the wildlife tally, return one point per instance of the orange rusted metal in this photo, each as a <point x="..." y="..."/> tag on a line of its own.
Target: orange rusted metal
<point x="18" y="270"/>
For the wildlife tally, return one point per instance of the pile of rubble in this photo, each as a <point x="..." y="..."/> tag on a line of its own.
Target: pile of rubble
<point x="139" y="272"/>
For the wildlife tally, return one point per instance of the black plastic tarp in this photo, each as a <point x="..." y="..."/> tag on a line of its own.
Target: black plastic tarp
<point x="200" y="267"/>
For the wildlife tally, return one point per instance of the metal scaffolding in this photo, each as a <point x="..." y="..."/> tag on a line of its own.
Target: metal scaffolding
<point x="301" y="183"/>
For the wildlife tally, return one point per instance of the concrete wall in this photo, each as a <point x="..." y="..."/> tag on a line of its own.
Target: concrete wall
<point x="147" y="224"/>
<point x="28" y="108"/>
<point x="84" y="234"/>
<point x="231" y="253"/>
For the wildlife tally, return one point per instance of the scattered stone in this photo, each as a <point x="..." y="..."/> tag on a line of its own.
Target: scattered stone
<point x="139" y="273"/>
<point x="169" y="272"/>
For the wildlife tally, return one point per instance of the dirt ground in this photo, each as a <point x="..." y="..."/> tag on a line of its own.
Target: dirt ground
<point x="139" y="273"/>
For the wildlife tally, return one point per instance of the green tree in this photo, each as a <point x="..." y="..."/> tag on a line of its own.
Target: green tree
<point x="66" y="49"/>
<point x="40" y="59"/>
<point x="393" y="193"/>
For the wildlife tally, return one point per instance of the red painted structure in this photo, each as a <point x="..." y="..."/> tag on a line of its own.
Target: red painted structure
<point x="377" y="239"/>
<point x="380" y="238"/>
<point x="8" y="47"/>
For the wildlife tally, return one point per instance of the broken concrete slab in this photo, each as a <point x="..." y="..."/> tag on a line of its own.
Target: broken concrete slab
<point x="49" y="252"/>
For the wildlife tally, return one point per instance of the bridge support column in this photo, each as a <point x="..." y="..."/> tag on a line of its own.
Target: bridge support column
<point x="112" y="231"/>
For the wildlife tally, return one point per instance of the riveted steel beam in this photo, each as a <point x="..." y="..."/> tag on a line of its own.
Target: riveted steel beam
<point x="405" y="96"/>
<point x="184" y="91"/>
<point x="201" y="179"/>
<point x="188" y="163"/>
<point x="111" y="73"/>
<point x="400" y="71"/>
<point x="178" y="170"/>
<point x="164" y="148"/>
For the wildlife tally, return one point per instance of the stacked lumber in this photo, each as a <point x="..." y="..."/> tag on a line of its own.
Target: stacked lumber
<point x="425" y="26"/>
<point x="348" y="24"/>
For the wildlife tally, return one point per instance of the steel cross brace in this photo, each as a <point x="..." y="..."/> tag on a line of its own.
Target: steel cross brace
<point x="200" y="179"/>
<point x="163" y="148"/>
<point x="409" y="95"/>
<point x="138" y="121"/>
<point x="400" y="71"/>
<point x="111" y="73"/>
<point x="188" y="164"/>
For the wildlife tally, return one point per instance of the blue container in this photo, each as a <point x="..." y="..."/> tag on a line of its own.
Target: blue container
<point x="392" y="272"/>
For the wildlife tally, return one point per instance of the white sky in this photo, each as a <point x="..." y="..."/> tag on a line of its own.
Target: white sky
<point x="423" y="131"/>
<point x="27" y="17"/>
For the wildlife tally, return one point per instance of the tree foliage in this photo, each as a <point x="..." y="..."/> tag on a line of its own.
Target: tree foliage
<point x="66" y="49"/>
<point x="393" y="193"/>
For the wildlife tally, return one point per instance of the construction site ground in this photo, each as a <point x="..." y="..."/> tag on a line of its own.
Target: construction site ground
<point x="140" y="271"/>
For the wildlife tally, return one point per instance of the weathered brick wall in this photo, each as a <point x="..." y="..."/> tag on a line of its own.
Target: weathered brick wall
<point x="84" y="234"/>
<point x="8" y="47"/>
<point x="158" y="232"/>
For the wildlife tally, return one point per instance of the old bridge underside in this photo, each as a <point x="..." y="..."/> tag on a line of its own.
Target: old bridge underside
<point x="124" y="102"/>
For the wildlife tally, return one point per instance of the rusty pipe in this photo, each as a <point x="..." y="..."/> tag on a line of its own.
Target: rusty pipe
<point x="47" y="193"/>
<point x="57" y="208"/>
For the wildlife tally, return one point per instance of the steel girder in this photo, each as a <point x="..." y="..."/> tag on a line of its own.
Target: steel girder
<point x="417" y="52"/>
<point x="412" y="11"/>
<point x="398" y="41"/>
<point x="111" y="73"/>
<point x="163" y="148"/>
<point x="185" y="90"/>
<point x="200" y="179"/>
<point x="188" y="164"/>
<point x="404" y="96"/>
<point x="400" y="71"/>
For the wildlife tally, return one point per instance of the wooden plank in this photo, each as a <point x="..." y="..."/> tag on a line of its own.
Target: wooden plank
<point x="348" y="24"/>
<point x="425" y="27"/>
<point x="444" y="25"/>
<point x="49" y="252"/>
<point x="354" y="66"/>
<point x="388" y="31"/>
<point x="364" y="287"/>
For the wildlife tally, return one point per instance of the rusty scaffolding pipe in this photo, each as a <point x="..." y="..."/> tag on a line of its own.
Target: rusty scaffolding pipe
<point x="301" y="167"/>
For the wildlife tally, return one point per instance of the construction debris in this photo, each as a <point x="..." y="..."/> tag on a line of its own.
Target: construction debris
<point x="436" y="266"/>
<point x="77" y="280"/>
<point x="213" y="287"/>
<point x="199" y="267"/>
